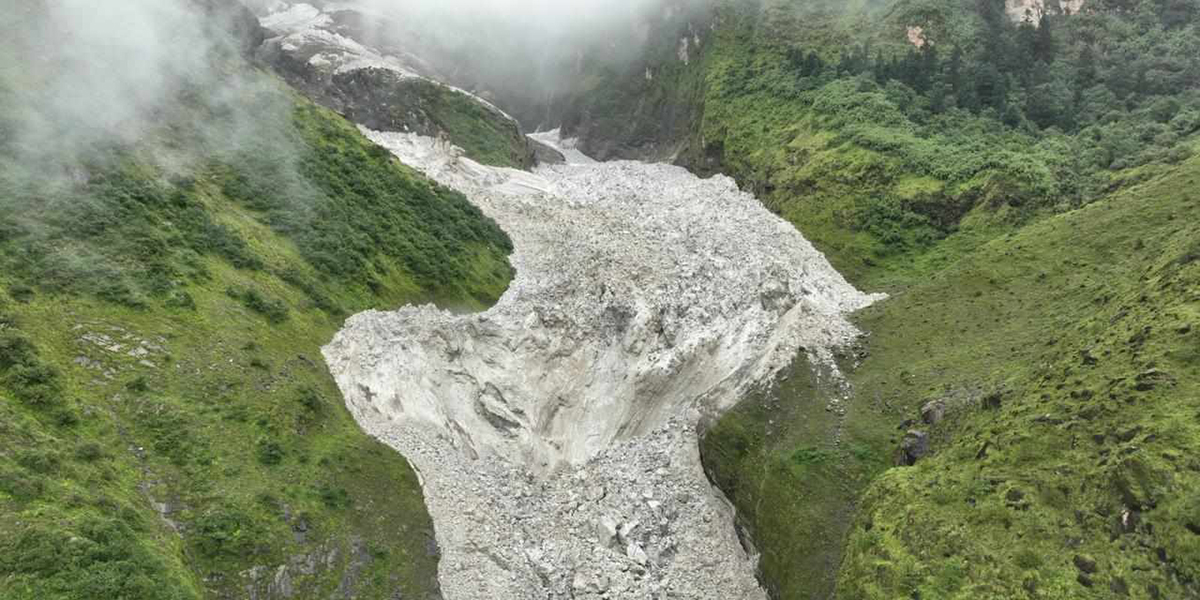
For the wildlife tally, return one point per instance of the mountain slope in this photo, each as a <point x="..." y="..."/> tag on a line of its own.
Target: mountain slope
<point x="323" y="55"/>
<point x="1068" y="361"/>
<point x="933" y="173"/>
<point x="953" y="215"/>
<point x="168" y="429"/>
<point x="1064" y="357"/>
<point x="877" y="149"/>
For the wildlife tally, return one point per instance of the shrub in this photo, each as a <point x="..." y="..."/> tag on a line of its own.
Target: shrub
<point x="274" y="310"/>
<point x="97" y="558"/>
<point x="45" y="462"/>
<point x="64" y="416"/>
<point x="180" y="299"/>
<point x="169" y="432"/>
<point x="226" y="531"/>
<point x="21" y="292"/>
<point x="334" y="497"/>
<point x="269" y="452"/>
<point x="89" y="452"/>
<point x="21" y="485"/>
<point x="15" y="349"/>
<point x="1027" y="559"/>
<point x="139" y="384"/>
<point x="34" y="383"/>
<point x="809" y="455"/>
<point x="310" y="400"/>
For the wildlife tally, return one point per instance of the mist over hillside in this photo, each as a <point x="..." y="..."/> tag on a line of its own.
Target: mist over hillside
<point x="77" y="76"/>
<point x="622" y="352"/>
<point x="179" y="232"/>
<point x="530" y="57"/>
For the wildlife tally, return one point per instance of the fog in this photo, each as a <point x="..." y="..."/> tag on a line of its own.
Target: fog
<point x="157" y="85"/>
<point x="527" y="55"/>
<point x="100" y="100"/>
<point x="76" y="73"/>
<point x="75" y="76"/>
<point x="544" y="24"/>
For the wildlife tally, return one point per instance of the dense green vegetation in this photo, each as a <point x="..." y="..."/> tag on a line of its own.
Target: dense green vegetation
<point x="132" y="233"/>
<point x="1040" y="255"/>
<point x="1068" y="357"/>
<point x="882" y="150"/>
<point x="484" y="134"/>
<point x="387" y="101"/>
<point x="167" y="427"/>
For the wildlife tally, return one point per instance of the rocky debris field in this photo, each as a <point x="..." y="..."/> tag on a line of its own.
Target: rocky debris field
<point x="556" y="433"/>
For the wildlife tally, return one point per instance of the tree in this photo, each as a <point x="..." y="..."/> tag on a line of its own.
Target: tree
<point x="1178" y="13"/>
<point x="1085" y="68"/>
<point x="954" y="71"/>
<point x="991" y="87"/>
<point x="929" y="68"/>
<point x="1050" y="104"/>
<point x="1043" y="41"/>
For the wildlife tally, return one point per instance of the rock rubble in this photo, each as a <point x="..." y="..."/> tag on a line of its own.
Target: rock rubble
<point x="556" y="433"/>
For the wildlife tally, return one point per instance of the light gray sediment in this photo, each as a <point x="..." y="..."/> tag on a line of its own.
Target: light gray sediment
<point x="556" y="433"/>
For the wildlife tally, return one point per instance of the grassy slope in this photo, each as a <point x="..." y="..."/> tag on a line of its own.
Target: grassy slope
<point x="793" y="468"/>
<point x="1084" y="328"/>
<point x="1072" y="448"/>
<point x="166" y="422"/>
<point x="485" y="135"/>
<point x="969" y="318"/>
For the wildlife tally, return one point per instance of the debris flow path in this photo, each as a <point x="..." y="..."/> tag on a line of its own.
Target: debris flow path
<point x="556" y="434"/>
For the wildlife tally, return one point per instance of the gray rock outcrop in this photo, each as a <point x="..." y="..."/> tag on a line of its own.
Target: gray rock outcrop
<point x="319" y="52"/>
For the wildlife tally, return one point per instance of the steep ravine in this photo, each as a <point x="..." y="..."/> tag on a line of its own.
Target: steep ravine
<point x="557" y="432"/>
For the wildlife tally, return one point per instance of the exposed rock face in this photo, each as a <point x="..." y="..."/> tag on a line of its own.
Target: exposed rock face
<point x="916" y="36"/>
<point x="546" y="154"/>
<point x="316" y="52"/>
<point x="1034" y="10"/>
<point x="914" y="447"/>
<point x="933" y="412"/>
<point x="557" y="432"/>
<point x="234" y="18"/>
<point x="648" y="109"/>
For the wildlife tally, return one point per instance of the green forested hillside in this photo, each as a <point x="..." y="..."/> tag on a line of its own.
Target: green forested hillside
<point x="1026" y="195"/>
<point x="168" y="429"/>
<point x="1068" y="360"/>
<point x="881" y="149"/>
<point x="1065" y="356"/>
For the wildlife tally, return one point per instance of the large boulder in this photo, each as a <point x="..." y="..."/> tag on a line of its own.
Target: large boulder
<point x="914" y="447"/>
<point x="933" y="412"/>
